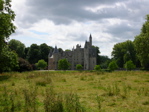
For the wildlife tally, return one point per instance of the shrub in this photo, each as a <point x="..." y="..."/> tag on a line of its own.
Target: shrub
<point x="24" y="65"/>
<point x="97" y="68"/>
<point x="63" y="64"/>
<point x="112" y="66"/>
<point x="79" y="67"/>
<point x="129" y="65"/>
<point x="41" y="64"/>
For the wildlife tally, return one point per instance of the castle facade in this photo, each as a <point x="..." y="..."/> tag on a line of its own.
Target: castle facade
<point x="86" y="56"/>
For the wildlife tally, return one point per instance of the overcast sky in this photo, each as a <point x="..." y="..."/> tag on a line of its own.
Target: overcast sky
<point x="66" y="23"/>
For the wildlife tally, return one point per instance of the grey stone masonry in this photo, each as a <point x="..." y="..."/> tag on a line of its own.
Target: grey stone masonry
<point x="86" y="56"/>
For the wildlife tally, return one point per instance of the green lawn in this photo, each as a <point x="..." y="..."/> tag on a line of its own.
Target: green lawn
<point x="74" y="91"/>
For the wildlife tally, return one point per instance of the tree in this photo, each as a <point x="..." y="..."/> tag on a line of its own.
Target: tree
<point x="26" y="52"/>
<point x="112" y="66"/>
<point x="104" y="61"/>
<point x="129" y="65"/>
<point x="8" y="60"/>
<point x="18" y="47"/>
<point x="141" y="43"/>
<point x="41" y="64"/>
<point x="24" y="65"/>
<point x="123" y="52"/>
<point x="7" y="17"/>
<point x="79" y="67"/>
<point x="98" y="52"/>
<point x="44" y="51"/>
<point x="63" y="64"/>
<point x="97" y="68"/>
<point x="33" y="54"/>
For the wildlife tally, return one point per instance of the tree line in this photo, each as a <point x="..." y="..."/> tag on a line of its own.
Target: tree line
<point x="136" y="51"/>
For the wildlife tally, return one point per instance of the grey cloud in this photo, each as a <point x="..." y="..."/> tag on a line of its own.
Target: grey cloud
<point x="66" y="11"/>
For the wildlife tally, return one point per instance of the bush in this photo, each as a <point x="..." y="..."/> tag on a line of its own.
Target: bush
<point x="129" y="65"/>
<point x="63" y="64"/>
<point x="24" y="65"/>
<point x="79" y="67"/>
<point x="97" y="68"/>
<point x="113" y="66"/>
<point x="41" y="64"/>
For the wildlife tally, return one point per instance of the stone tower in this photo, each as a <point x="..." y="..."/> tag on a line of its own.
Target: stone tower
<point x="53" y="59"/>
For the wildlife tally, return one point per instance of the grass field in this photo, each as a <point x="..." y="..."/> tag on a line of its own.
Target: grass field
<point x="74" y="91"/>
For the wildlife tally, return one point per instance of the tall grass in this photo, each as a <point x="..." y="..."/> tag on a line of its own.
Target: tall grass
<point x="74" y="92"/>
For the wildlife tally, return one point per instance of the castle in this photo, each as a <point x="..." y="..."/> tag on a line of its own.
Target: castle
<point x="86" y="56"/>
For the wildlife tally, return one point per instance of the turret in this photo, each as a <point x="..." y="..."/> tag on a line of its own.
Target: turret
<point x="90" y="39"/>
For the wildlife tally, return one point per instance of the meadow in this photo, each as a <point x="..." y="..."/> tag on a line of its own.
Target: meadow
<point x="74" y="91"/>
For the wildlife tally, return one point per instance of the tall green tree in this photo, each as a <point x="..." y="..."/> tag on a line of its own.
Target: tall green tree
<point x="44" y="50"/>
<point x="142" y="44"/>
<point x="7" y="17"/>
<point x="18" y="47"/>
<point x="123" y="52"/>
<point x="26" y="52"/>
<point x="8" y="59"/>
<point x="33" y="54"/>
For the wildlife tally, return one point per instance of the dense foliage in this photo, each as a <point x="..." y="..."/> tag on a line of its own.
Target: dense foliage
<point x="44" y="51"/>
<point x="7" y="17"/>
<point x="104" y="61"/>
<point x="36" y="52"/>
<point x="142" y="44"/>
<point x="8" y="60"/>
<point x="123" y="52"/>
<point x="33" y="54"/>
<point x="18" y="47"/>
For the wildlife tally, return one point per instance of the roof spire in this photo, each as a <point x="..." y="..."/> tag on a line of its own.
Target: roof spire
<point x="55" y="50"/>
<point x="90" y="39"/>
